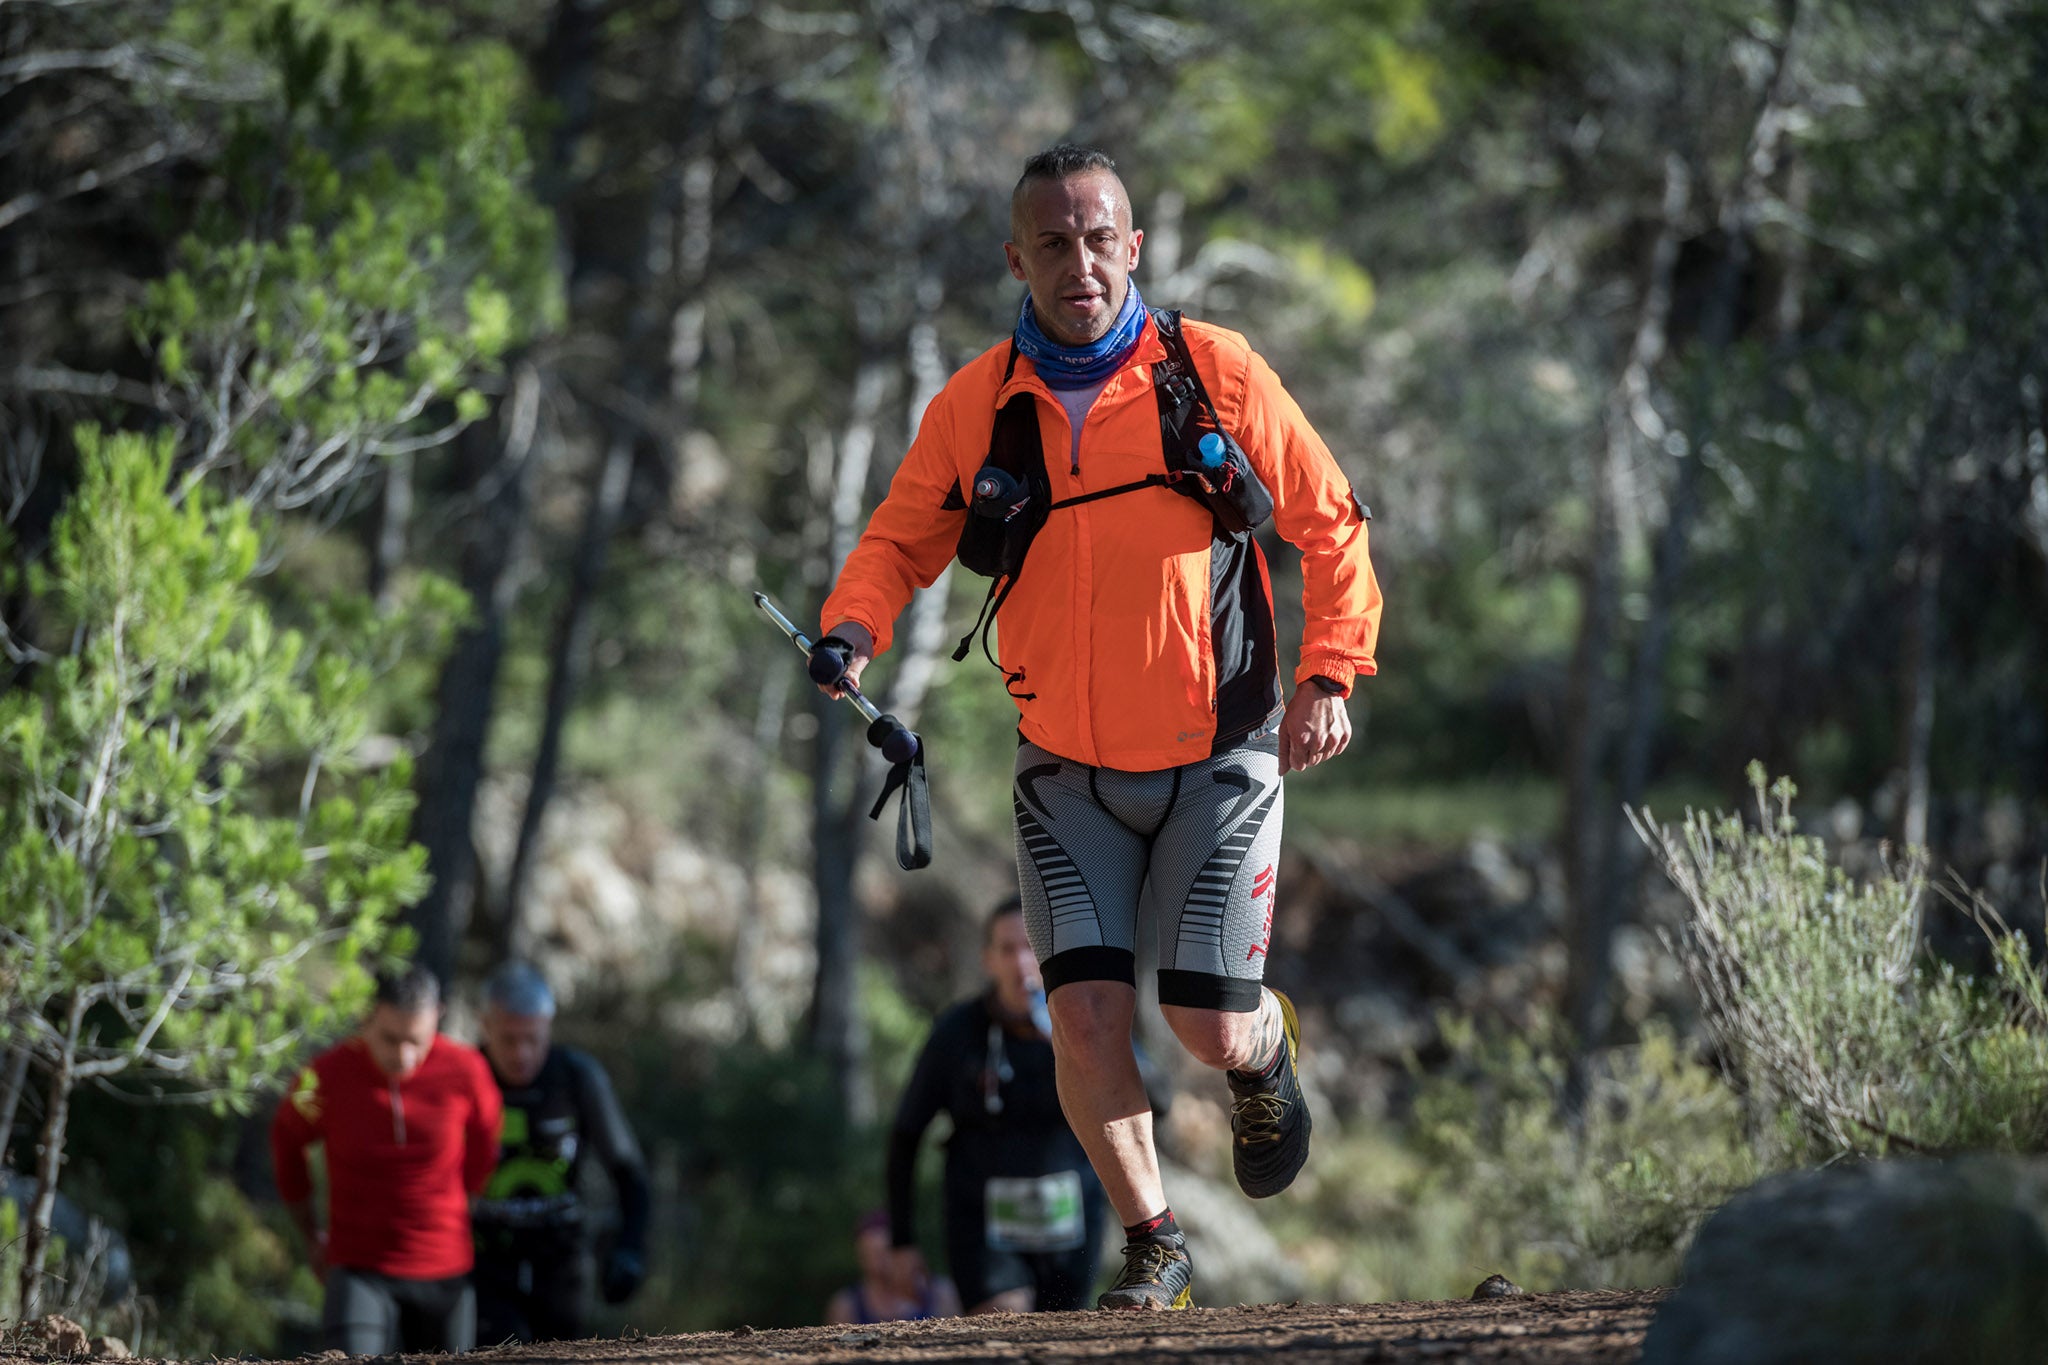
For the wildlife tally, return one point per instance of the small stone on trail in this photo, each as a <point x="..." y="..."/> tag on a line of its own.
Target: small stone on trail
<point x="111" y="1348"/>
<point x="743" y="1331"/>
<point x="61" y="1336"/>
<point x="1496" y="1287"/>
<point x="860" y="1338"/>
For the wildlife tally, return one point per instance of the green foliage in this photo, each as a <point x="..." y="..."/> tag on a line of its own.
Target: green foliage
<point x="243" y="1277"/>
<point x="1488" y="1174"/>
<point x="1312" y="84"/>
<point x="1609" y="1198"/>
<point x="81" y="1282"/>
<point x="218" y="1267"/>
<point x="1821" y="993"/>
<point x="1325" y="801"/>
<point x="776" y="1175"/>
<point x="192" y="874"/>
<point x="783" y="1180"/>
<point x="379" y="248"/>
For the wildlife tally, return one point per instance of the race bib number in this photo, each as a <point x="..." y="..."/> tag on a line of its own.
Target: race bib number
<point x="1035" y="1213"/>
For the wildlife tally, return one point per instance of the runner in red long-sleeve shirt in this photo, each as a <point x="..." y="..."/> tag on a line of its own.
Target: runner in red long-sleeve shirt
<point x="409" y="1120"/>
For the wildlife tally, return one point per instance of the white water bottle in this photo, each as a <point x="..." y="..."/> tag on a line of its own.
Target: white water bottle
<point x="1041" y="1015"/>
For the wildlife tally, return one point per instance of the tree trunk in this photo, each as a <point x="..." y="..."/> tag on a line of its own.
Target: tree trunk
<point x="838" y="1032"/>
<point x="1588" y="811"/>
<point x="840" y="817"/>
<point x="393" y="521"/>
<point x="495" y="468"/>
<point x="752" y="934"/>
<point x="922" y="639"/>
<point x="1923" y="626"/>
<point x="11" y="1086"/>
<point x="914" y="208"/>
<point x="1591" y="996"/>
<point x="569" y="648"/>
<point x="495" y="457"/>
<point x="49" y="1161"/>
<point x="681" y="213"/>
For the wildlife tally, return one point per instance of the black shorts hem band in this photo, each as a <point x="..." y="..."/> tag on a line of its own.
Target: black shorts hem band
<point x="1208" y="991"/>
<point x="1091" y="963"/>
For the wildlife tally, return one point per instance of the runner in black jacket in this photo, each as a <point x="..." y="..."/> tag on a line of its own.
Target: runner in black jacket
<point x="1023" y="1210"/>
<point x="532" y="1271"/>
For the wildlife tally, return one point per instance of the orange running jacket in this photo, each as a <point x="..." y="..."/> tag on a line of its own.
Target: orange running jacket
<point x="1142" y="641"/>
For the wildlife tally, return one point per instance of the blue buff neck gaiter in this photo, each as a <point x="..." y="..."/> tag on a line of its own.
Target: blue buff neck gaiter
<point x="1076" y="367"/>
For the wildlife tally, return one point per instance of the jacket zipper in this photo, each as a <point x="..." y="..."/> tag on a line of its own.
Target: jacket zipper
<point x="397" y="1115"/>
<point x="1074" y="441"/>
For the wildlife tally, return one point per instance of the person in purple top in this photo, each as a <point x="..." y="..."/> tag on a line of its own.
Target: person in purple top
<point x="884" y="1293"/>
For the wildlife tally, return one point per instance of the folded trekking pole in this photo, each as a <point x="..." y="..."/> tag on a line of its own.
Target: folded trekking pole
<point x="826" y="661"/>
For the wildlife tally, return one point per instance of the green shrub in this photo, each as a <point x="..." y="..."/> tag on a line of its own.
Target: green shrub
<point x="1488" y="1175"/>
<point x="772" y="1176"/>
<point x="221" y="1270"/>
<point x="1821" y="995"/>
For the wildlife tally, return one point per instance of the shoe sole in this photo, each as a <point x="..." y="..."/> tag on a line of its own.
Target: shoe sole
<point x="1290" y="1024"/>
<point x="1184" y="1299"/>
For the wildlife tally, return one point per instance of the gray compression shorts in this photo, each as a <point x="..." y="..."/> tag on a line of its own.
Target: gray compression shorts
<point x="1193" y="847"/>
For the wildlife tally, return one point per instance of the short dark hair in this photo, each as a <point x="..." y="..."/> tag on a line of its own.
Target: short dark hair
<point x="1063" y="159"/>
<point x="409" y="990"/>
<point x="1013" y="906"/>
<point x="1058" y="162"/>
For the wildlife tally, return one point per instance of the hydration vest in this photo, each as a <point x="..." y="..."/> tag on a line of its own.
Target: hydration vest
<point x="1012" y="496"/>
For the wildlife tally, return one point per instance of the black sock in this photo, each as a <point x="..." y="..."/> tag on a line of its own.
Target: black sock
<point x="1160" y="1229"/>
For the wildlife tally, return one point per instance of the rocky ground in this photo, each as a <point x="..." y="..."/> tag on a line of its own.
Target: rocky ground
<point x="1532" y="1329"/>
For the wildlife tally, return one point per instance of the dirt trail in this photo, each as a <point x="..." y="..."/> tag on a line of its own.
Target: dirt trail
<point x="1542" y="1329"/>
<point x="1576" y="1328"/>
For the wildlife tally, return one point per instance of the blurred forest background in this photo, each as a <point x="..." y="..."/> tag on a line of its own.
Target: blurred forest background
<point x="399" y="401"/>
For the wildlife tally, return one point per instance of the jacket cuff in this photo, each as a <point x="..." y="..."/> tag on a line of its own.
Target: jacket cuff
<point x="834" y="614"/>
<point x="1335" y="667"/>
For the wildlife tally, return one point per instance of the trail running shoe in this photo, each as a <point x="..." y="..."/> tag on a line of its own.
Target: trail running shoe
<point x="1157" y="1276"/>
<point x="1269" y="1123"/>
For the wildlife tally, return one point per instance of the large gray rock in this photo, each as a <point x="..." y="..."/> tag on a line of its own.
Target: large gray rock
<point x="1944" y="1262"/>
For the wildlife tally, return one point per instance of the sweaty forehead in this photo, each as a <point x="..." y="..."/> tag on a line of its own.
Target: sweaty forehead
<point x="1079" y="203"/>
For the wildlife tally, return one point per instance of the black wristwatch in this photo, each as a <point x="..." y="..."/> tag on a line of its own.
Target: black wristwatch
<point x="1330" y="685"/>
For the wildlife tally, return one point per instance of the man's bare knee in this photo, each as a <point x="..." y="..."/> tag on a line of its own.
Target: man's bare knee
<point x="1219" y="1039"/>
<point x="1092" y="1018"/>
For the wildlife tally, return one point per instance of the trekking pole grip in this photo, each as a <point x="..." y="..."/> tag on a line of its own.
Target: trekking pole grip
<point x="896" y="742"/>
<point x="829" y="658"/>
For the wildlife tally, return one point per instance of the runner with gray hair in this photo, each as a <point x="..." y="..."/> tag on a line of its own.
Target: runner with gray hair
<point x="518" y="988"/>
<point x="532" y="1262"/>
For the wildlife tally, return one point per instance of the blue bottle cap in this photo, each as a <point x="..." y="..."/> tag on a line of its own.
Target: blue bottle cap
<point x="1211" y="446"/>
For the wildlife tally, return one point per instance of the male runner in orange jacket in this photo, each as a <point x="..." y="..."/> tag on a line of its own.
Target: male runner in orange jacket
<point x="1138" y="641"/>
